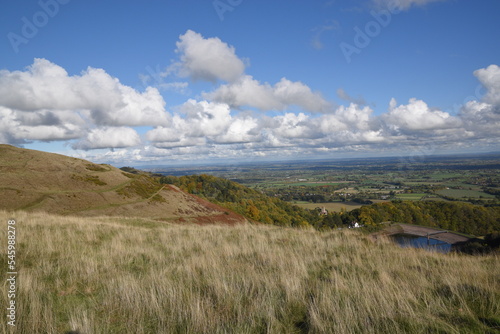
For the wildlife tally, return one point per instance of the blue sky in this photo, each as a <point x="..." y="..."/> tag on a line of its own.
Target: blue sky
<point x="164" y="82"/>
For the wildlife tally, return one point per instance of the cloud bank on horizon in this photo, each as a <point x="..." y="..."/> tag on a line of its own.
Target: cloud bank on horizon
<point x="240" y="117"/>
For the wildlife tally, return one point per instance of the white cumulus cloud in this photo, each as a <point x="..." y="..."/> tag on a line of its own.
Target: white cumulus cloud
<point x="490" y="78"/>
<point x="248" y="92"/>
<point x="481" y="119"/>
<point x="109" y="137"/>
<point x="93" y="112"/>
<point x="47" y="86"/>
<point x="417" y="116"/>
<point x="241" y="130"/>
<point x="195" y="121"/>
<point x="207" y="59"/>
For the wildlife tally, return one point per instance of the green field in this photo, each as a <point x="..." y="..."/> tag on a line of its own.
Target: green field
<point x="411" y="197"/>
<point x="314" y="184"/>
<point x="333" y="207"/>
<point x="460" y="193"/>
<point x="336" y="206"/>
<point x="444" y="175"/>
<point x="300" y="184"/>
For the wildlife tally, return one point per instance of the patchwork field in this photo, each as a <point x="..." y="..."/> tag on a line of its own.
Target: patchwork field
<point x="333" y="207"/>
<point x="473" y="179"/>
<point x="336" y="206"/>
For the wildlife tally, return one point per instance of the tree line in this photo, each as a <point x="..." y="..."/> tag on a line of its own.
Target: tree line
<point x="454" y="216"/>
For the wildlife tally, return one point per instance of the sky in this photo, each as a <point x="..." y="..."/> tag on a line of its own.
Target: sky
<point x="163" y="82"/>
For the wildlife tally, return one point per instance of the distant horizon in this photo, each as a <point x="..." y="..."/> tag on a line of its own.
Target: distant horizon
<point x="415" y="156"/>
<point x="419" y="159"/>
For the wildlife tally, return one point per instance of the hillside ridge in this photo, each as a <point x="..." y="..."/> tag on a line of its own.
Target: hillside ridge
<point x="32" y="180"/>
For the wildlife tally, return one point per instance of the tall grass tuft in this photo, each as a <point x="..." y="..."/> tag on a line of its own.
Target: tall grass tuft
<point x="119" y="275"/>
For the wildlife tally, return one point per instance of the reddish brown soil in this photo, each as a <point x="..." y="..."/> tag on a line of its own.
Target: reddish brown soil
<point x="216" y="214"/>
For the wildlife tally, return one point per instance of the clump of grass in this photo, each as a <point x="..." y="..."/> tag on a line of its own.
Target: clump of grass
<point x="118" y="275"/>
<point x="89" y="178"/>
<point x="96" y="168"/>
<point x="142" y="186"/>
<point x="158" y="198"/>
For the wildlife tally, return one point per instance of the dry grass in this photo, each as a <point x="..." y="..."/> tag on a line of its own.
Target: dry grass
<point x="38" y="181"/>
<point x="118" y="275"/>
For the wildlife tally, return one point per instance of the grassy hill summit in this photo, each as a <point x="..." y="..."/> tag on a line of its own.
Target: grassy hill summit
<point x="38" y="181"/>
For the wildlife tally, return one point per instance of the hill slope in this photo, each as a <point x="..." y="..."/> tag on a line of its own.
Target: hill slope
<point x="121" y="275"/>
<point x="39" y="181"/>
<point x="246" y="201"/>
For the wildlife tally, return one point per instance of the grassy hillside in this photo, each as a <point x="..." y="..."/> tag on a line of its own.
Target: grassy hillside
<point x="38" y="181"/>
<point x="129" y="275"/>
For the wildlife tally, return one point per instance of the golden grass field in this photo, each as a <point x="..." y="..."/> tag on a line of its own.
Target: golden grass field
<point x="131" y="275"/>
